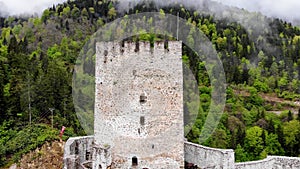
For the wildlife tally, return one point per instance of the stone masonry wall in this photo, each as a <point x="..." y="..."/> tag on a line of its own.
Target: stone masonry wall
<point x="208" y="158"/>
<point x="271" y="162"/>
<point x="266" y="163"/>
<point x="138" y="104"/>
<point x="286" y="162"/>
<point x="77" y="151"/>
<point x="212" y="158"/>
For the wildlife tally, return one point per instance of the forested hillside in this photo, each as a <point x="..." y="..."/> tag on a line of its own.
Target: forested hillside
<point x="37" y="57"/>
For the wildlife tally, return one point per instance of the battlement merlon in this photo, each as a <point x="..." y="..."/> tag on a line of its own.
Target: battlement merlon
<point x="113" y="48"/>
<point x="114" y="54"/>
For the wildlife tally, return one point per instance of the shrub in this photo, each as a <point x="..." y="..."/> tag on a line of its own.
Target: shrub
<point x="28" y="139"/>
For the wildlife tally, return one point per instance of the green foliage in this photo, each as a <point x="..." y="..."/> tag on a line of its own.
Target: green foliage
<point x="219" y="139"/>
<point x="66" y="11"/>
<point x="283" y="81"/>
<point x="291" y="132"/>
<point x="54" y="52"/>
<point x="112" y="13"/>
<point x="46" y="15"/>
<point x="75" y="13"/>
<point x="273" y="146"/>
<point x="193" y="134"/>
<point x="17" y="29"/>
<point x="254" y="98"/>
<point x="84" y="12"/>
<point x="260" y="86"/>
<point x="185" y="60"/>
<point x="240" y="154"/>
<point x="25" y="140"/>
<point x="254" y="142"/>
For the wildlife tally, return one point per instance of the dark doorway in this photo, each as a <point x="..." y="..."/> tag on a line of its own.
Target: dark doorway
<point x="134" y="161"/>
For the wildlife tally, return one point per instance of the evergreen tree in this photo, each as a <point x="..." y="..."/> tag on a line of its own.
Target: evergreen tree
<point x="271" y="128"/>
<point x="298" y="116"/>
<point x="290" y="116"/>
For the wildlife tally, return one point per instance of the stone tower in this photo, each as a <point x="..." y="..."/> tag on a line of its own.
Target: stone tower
<point x="139" y="105"/>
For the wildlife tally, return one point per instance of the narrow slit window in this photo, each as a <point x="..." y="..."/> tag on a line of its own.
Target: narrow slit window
<point x="87" y="155"/>
<point x="142" y="120"/>
<point x="143" y="98"/>
<point x="137" y="46"/>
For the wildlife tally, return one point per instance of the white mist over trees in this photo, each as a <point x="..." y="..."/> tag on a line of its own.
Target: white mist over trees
<point x="28" y="7"/>
<point x="284" y="9"/>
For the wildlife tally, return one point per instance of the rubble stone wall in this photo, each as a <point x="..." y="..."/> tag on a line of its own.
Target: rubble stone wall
<point x="212" y="158"/>
<point x="77" y="151"/>
<point x="139" y="103"/>
<point x="208" y="158"/>
<point x="271" y="162"/>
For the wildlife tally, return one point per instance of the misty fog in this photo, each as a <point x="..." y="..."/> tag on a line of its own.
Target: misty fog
<point x="284" y="9"/>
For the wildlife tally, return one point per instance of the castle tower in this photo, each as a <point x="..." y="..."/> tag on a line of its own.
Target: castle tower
<point x="139" y="105"/>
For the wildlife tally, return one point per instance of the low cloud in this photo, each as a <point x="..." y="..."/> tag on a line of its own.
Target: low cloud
<point x="284" y="9"/>
<point x="28" y="7"/>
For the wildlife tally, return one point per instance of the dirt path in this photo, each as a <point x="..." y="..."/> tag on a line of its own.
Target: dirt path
<point x="272" y="98"/>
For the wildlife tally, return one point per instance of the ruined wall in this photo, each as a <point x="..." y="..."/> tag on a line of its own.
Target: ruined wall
<point x="139" y="103"/>
<point x="77" y="152"/>
<point x="206" y="157"/>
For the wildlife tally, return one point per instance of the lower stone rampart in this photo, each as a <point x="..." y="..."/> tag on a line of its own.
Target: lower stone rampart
<point x="271" y="162"/>
<point x="206" y="157"/>
<point x="79" y="152"/>
<point x="286" y="162"/>
<point x="266" y="163"/>
<point x="213" y="158"/>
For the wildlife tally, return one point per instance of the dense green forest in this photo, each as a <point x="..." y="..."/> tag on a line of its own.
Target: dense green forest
<point x="37" y="57"/>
